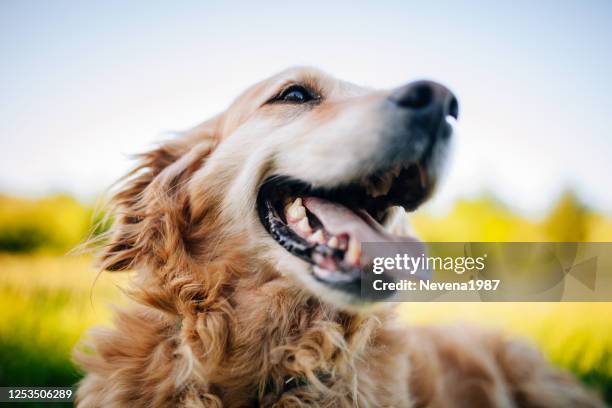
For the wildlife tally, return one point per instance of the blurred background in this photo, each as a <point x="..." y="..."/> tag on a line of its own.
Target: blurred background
<point x="83" y="85"/>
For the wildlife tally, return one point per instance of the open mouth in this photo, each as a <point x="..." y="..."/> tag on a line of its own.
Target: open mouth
<point x="326" y="227"/>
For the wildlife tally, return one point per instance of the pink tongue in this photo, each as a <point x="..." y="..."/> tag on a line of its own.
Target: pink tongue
<point x="338" y="220"/>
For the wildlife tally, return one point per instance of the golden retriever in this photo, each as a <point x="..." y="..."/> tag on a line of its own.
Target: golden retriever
<point x="246" y="236"/>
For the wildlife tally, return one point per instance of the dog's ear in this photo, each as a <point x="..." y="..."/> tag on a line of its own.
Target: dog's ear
<point x="151" y="206"/>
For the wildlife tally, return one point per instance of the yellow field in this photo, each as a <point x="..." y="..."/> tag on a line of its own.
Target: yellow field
<point x="47" y="303"/>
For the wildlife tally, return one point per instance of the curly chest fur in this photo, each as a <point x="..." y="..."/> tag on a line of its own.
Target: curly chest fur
<point x="276" y="346"/>
<point x="261" y="344"/>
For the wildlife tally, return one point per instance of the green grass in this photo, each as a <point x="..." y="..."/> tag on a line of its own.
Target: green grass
<point x="48" y="302"/>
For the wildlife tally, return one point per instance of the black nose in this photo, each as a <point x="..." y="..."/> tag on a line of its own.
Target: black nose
<point x="427" y="99"/>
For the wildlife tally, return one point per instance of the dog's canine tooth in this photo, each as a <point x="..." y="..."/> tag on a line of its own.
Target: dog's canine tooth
<point x="333" y="242"/>
<point x="304" y="226"/>
<point x="317" y="237"/>
<point x="296" y="211"/>
<point x="353" y="252"/>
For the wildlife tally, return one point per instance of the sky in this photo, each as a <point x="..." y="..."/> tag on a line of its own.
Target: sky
<point x="83" y="85"/>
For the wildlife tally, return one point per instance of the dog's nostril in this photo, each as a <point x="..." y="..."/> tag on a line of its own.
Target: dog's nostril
<point x="426" y="100"/>
<point x="453" y="108"/>
<point x="417" y="96"/>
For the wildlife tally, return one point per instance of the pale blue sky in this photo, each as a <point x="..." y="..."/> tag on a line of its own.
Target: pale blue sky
<point x="84" y="84"/>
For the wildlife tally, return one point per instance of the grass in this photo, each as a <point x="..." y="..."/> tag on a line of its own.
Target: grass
<point x="48" y="302"/>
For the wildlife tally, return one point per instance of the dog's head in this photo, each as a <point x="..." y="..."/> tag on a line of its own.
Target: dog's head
<point x="298" y="172"/>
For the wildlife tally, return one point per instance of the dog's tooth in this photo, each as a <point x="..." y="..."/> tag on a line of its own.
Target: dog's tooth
<point x="296" y="211"/>
<point x="317" y="237"/>
<point x="353" y="253"/>
<point x="304" y="226"/>
<point x="333" y="242"/>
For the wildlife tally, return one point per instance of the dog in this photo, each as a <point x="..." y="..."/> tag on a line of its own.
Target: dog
<point x="246" y="235"/>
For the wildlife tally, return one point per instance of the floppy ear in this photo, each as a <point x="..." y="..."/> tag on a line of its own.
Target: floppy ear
<point x="151" y="207"/>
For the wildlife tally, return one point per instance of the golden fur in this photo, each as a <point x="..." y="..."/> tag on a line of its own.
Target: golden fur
<point x="221" y="317"/>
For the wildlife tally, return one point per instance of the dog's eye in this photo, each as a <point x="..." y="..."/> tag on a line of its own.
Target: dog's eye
<point x="295" y="94"/>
